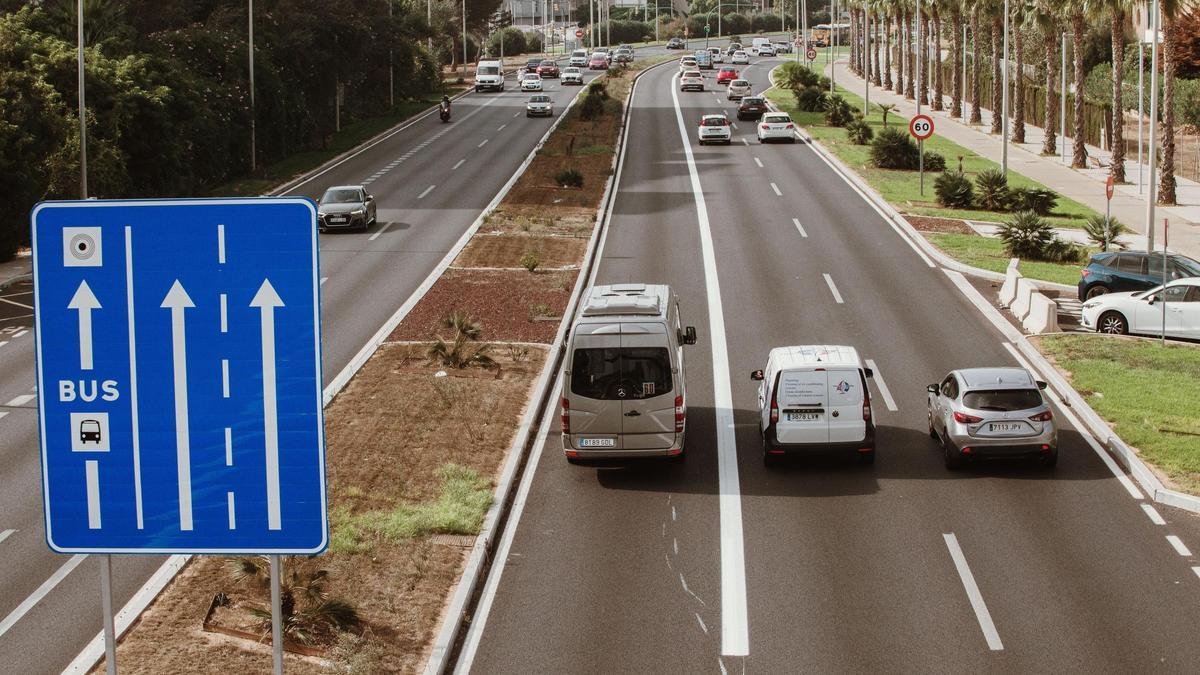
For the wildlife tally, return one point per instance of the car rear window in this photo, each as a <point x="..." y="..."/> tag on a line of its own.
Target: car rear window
<point x="716" y="122"/>
<point x="777" y="119"/>
<point x="621" y="373"/>
<point x="691" y="73"/>
<point x="1189" y="266"/>
<point x="750" y="100"/>
<point x="739" y="83"/>
<point x="1003" y="400"/>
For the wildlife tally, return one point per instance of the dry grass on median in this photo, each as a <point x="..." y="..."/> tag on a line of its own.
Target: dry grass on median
<point x="507" y="250"/>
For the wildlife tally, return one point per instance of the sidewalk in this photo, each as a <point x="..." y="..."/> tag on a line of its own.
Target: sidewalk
<point x="1083" y="185"/>
<point x="17" y="268"/>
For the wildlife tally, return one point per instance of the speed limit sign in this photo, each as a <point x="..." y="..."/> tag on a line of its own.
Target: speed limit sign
<point x="578" y="33"/>
<point x="921" y="127"/>
<point x="811" y="54"/>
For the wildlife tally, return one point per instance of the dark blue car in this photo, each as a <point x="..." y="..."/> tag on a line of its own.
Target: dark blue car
<point x="1125" y="271"/>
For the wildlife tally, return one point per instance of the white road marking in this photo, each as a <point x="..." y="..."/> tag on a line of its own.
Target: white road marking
<point x="3" y="413"/>
<point x="41" y="592"/>
<point x="702" y="626"/>
<point x="426" y="191"/>
<point x="1179" y="546"/>
<point x="1196" y="570"/>
<point x="457" y="164"/>
<point x="745" y="142"/>
<point x="323" y="280"/>
<point x="674" y="516"/>
<point x="3" y="342"/>
<point x="735" y="631"/>
<point x="968" y="581"/>
<point x="1070" y="415"/>
<point x="515" y="114"/>
<point x="380" y="231"/>
<point x="675" y="545"/>
<point x="483" y="142"/>
<point x="1153" y="515"/>
<point x="501" y="127"/>
<point x="20" y="400"/>
<point x="883" y="388"/>
<point x="776" y="189"/>
<point x="796" y="222"/>
<point x="833" y="289"/>
<point x="19" y="333"/>
<point x="758" y="162"/>
<point x="733" y="124"/>
<point x="6" y="534"/>
<point x="13" y="302"/>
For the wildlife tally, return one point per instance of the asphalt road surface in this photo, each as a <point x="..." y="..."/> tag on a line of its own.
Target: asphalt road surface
<point x="899" y="567"/>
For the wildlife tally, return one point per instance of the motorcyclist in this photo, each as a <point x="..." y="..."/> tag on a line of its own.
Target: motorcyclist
<point x="445" y="105"/>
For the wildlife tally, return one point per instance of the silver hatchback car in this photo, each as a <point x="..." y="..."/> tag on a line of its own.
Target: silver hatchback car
<point x="990" y="413"/>
<point x="739" y="89"/>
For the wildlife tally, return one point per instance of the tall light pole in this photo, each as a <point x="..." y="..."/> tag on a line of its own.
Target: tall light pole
<point x="391" y="68"/>
<point x="866" y="59"/>
<point x="464" y="13"/>
<point x="83" y="185"/>
<point x="253" y="110"/>
<point x="1152" y="193"/>
<point x="1141" y="97"/>
<point x="1004" y="99"/>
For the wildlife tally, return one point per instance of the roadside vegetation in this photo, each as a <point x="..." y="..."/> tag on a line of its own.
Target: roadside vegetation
<point x="1149" y="393"/>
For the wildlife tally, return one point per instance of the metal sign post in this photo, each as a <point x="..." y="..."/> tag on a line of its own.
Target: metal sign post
<point x="1163" y="337"/>
<point x="276" y="615"/>
<point x="106" y="603"/>
<point x="1108" y="195"/>
<point x="920" y="127"/>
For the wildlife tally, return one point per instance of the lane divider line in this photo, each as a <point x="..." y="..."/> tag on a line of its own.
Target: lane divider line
<point x="6" y="534"/>
<point x="833" y="289"/>
<point x="799" y="227"/>
<point x="759" y="163"/>
<point x="776" y="189"/>
<point x="41" y="592"/>
<point x="20" y="400"/>
<point x="427" y="191"/>
<point x="968" y="581"/>
<point x="1180" y="547"/>
<point x="378" y="232"/>
<point x="457" y="164"/>
<point x="1153" y="515"/>
<point x="483" y="143"/>
<point x="883" y="388"/>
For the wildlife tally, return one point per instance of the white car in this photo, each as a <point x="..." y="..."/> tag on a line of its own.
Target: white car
<point x="531" y="82"/>
<point x="691" y="79"/>
<point x="688" y="63"/>
<point x="740" y="58"/>
<point x="766" y="50"/>
<point x="718" y="56"/>
<point x="739" y="89"/>
<point x="1142" y="312"/>
<point x="782" y="47"/>
<point x="571" y="75"/>
<point x="539" y="105"/>
<point x="714" y="129"/>
<point x="579" y="58"/>
<point x="776" y="126"/>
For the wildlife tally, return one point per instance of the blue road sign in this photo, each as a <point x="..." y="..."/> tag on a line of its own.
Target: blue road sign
<point x="179" y="376"/>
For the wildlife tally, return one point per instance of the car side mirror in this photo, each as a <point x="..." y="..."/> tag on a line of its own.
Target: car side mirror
<point x="932" y="388"/>
<point x="757" y="376"/>
<point x="1041" y="384"/>
<point x="689" y="335"/>
<point x="868" y="372"/>
<point x="370" y="198"/>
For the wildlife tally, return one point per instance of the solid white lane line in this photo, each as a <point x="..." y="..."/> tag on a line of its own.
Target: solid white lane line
<point x="41" y="592"/>
<point x="1179" y="546"/>
<point x="735" y="631"/>
<point x="883" y="388"/>
<point x="973" y="594"/>
<point x="758" y="162"/>
<point x="796" y="222"/>
<point x="483" y="142"/>
<point x="776" y="189"/>
<point x="457" y="164"/>
<point x="1153" y="515"/>
<point x="380" y="231"/>
<point x="13" y="302"/>
<point x="427" y="191"/>
<point x="20" y="400"/>
<point x="833" y="289"/>
<point x="1071" y="417"/>
<point x="6" y="534"/>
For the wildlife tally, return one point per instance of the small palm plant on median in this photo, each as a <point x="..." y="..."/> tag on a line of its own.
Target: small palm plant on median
<point x="462" y="349"/>
<point x="310" y="616"/>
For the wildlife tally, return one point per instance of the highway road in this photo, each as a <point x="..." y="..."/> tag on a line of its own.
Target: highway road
<point x="432" y="180"/>
<point x="718" y="564"/>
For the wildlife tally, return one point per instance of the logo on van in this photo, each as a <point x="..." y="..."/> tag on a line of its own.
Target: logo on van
<point x="842" y="387"/>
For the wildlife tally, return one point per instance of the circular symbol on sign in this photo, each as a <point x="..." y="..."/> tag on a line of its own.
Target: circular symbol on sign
<point x="1108" y="188"/>
<point x="578" y="33"/>
<point x="811" y="54"/>
<point x="921" y="127"/>
<point x="82" y="246"/>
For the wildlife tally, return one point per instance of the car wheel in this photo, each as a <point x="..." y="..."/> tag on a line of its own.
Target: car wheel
<point x="1051" y="460"/>
<point x="954" y="458"/>
<point x="1096" y="291"/>
<point x="1112" y="323"/>
<point x="792" y="140"/>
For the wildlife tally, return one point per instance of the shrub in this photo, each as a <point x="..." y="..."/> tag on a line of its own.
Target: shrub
<point x="795" y="76"/>
<point x="810" y="99"/>
<point x="838" y="112"/>
<point x="954" y="190"/>
<point x="886" y="109"/>
<point x="991" y="190"/>
<point x="894" y="149"/>
<point x="1026" y="235"/>
<point x="593" y="101"/>
<point x="569" y="178"/>
<point x="1104" y="230"/>
<point x="934" y="162"/>
<point x="1061" y="251"/>
<point x="530" y="261"/>
<point x="858" y="131"/>
<point x="1039" y="200"/>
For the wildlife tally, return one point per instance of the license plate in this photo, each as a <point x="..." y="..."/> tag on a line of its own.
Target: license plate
<point x="803" y="417"/>
<point x="597" y="442"/>
<point x="337" y="220"/>
<point x="1004" y="426"/>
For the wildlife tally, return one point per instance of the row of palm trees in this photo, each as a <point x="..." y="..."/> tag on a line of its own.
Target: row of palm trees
<point x="890" y="62"/>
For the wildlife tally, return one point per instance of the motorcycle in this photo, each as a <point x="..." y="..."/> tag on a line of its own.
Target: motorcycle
<point x="445" y="113"/>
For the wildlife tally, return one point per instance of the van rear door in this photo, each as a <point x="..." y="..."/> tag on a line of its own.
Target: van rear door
<point x="803" y="399"/>
<point x="596" y="389"/>
<point x="846" y="424"/>
<point x="648" y="409"/>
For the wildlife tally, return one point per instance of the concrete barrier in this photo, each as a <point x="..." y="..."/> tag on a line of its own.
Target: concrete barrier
<point x="1008" y="292"/>
<point x="1020" y="305"/>
<point x="1042" y="316"/>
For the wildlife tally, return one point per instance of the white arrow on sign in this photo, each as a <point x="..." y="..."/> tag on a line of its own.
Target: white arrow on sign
<point x="85" y="301"/>
<point x="267" y="300"/>
<point x="178" y="300"/>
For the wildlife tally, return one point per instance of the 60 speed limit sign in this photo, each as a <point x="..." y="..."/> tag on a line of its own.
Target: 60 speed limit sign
<point x="921" y="127"/>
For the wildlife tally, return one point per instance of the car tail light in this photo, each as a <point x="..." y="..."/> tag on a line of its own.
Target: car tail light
<point x="1043" y="416"/>
<point x="680" y="414"/>
<point x="789" y="126"/>
<point x="572" y="454"/>
<point x="963" y="418"/>
<point x="966" y="451"/>
<point x="566" y="416"/>
<point x="766" y="127"/>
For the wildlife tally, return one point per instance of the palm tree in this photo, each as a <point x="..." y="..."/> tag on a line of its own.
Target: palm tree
<point x="923" y="56"/>
<point x="900" y="46"/>
<point x="887" y="44"/>
<point x="1166" y="182"/>
<point x="1115" y="11"/>
<point x="956" y="92"/>
<point x="1079" y="151"/>
<point x="1018" y="120"/>
<point x="936" y="17"/>
<point x="976" y="112"/>
<point x="309" y="614"/>
<point x="1046" y="15"/>
<point x="874" y="9"/>
<point x="910" y="52"/>
<point x="996" y="14"/>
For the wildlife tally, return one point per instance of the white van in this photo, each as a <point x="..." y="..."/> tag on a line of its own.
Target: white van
<point x="760" y="42"/>
<point x="815" y="398"/>
<point x="623" y="383"/>
<point x="579" y="58"/>
<point x="489" y="75"/>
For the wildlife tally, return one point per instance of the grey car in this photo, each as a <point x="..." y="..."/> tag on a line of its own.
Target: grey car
<point x="992" y="413"/>
<point x="346" y="206"/>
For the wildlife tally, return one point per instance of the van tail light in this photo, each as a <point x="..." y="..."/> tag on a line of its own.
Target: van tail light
<point x="867" y="408"/>
<point x="963" y="418"/>
<point x="680" y="414"/>
<point x="1043" y="416"/>
<point x="774" y="407"/>
<point x="566" y="415"/>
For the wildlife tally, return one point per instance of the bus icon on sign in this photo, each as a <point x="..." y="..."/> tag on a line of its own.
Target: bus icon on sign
<point x="89" y="432"/>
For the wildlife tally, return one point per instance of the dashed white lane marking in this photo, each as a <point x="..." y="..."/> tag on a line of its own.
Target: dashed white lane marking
<point x="501" y="127"/>
<point x="968" y="580"/>
<point x="1179" y="546"/>
<point x="19" y="333"/>
<point x="457" y="164"/>
<point x="745" y="142"/>
<point x="758" y="162"/>
<point x="799" y="227"/>
<point x="426" y="191"/>
<point x="883" y="388"/>
<point x="13" y="302"/>
<point x="776" y="189"/>
<point x="702" y="626"/>
<point x="20" y="401"/>
<point x="3" y="414"/>
<point x="41" y="592"/>
<point x="1196" y="570"/>
<point x="675" y="545"/>
<point x="378" y="232"/>
<point x="483" y="142"/>
<point x="674" y="515"/>
<point x="6" y="534"/>
<point x="515" y="114"/>
<point x="1153" y="515"/>
<point x="833" y="289"/>
<point x="323" y="280"/>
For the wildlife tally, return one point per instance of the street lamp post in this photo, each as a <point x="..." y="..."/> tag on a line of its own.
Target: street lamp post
<point x="1141" y="97"/>
<point x="1152" y="195"/>
<point x="253" y="112"/>
<point x="866" y="59"/>
<point x="1062" y="101"/>
<point x="1004" y="99"/>
<point x="464" y="24"/>
<point x="83" y="184"/>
